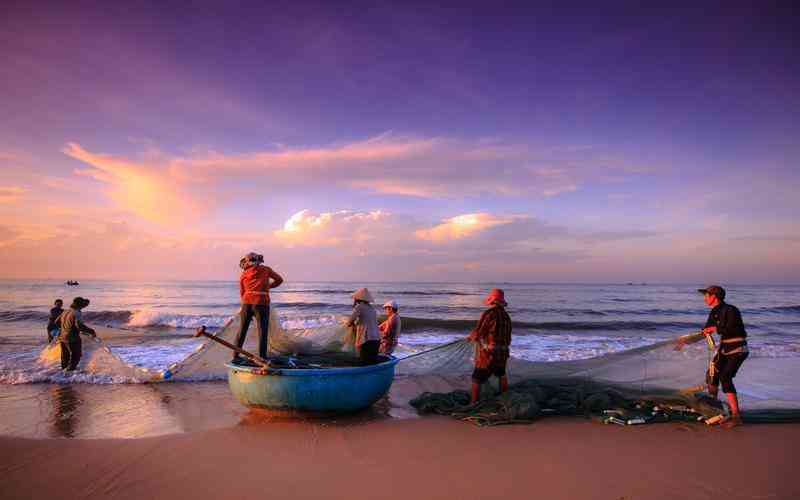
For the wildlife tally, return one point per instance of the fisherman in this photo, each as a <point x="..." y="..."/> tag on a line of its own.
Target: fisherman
<point x="52" y="320"/>
<point x="389" y="329"/>
<point x="365" y="321"/>
<point x="254" y="286"/>
<point x="725" y="320"/>
<point x="492" y="337"/>
<point x="71" y="326"/>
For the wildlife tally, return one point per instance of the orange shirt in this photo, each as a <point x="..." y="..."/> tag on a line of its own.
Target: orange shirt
<point x="254" y="285"/>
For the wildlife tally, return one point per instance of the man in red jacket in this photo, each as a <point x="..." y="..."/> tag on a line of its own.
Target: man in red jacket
<point x="254" y="286"/>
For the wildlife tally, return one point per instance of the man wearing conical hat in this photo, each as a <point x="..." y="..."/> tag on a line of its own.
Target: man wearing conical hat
<point x="492" y="337"/>
<point x="71" y="326"/>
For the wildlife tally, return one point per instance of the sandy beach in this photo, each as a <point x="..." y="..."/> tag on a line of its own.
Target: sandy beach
<point x="433" y="457"/>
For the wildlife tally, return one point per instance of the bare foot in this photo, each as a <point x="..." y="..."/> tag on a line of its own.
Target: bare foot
<point x="732" y="422"/>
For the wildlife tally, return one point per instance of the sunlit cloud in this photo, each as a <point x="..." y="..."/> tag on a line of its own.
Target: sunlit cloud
<point x="11" y="194"/>
<point x="159" y="185"/>
<point x="141" y="188"/>
<point x="461" y="226"/>
<point x="357" y="231"/>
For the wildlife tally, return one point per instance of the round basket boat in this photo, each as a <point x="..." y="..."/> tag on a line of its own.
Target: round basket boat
<point x="325" y="390"/>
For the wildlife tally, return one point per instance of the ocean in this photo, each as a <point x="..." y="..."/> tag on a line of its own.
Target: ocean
<point x="551" y="321"/>
<point x="154" y="324"/>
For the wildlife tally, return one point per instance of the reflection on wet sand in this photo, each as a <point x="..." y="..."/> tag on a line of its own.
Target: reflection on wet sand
<point x="64" y="417"/>
<point x="140" y="410"/>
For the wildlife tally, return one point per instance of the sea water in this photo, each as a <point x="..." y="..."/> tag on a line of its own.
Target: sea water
<point x="551" y="322"/>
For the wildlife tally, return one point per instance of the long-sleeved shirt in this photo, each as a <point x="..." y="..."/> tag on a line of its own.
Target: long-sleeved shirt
<point x="365" y="321"/>
<point x="390" y="334"/>
<point x="254" y="285"/>
<point x="71" y="326"/>
<point x="51" y="321"/>
<point x="493" y="335"/>
<point x="728" y="321"/>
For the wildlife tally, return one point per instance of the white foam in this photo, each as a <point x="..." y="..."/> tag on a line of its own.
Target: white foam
<point x="152" y="317"/>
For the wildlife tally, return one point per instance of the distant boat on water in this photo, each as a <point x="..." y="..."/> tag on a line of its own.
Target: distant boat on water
<point x="72" y="283"/>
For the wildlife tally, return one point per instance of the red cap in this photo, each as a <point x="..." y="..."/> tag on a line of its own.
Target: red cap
<point x="496" y="296"/>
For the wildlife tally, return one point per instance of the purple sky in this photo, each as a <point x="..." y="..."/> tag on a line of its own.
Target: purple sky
<point x="363" y="142"/>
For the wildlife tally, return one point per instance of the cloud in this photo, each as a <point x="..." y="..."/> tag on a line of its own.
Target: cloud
<point x="461" y="226"/>
<point x="142" y="188"/>
<point x="358" y="233"/>
<point x="159" y="186"/>
<point x="11" y="194"/>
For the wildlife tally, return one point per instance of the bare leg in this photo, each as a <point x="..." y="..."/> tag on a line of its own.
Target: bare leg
<point x="736" y="418"/>
<point x="503" y="384"/>
<point x="475" y="392"/>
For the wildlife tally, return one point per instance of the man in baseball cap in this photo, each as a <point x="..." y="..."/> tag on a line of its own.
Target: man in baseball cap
<point x="725" y="320"/>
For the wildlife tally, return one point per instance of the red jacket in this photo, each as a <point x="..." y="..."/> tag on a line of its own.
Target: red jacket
<point x="254" y="285"/>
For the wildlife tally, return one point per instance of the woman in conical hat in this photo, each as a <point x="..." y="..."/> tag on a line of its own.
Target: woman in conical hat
<point x="365" y="322"/>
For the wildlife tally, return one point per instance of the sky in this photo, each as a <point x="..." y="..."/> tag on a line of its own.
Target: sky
<point x="400" y="141"/>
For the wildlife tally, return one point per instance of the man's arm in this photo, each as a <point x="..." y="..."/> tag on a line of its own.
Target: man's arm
<point x="479" y="332"/>
<point x="241" y="286"/>
<point x="275" y="277"/>
<point x="83" y="328"/>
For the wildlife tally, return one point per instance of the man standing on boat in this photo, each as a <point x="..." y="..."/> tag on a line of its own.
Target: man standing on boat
<point x="254" y="286"/>
<point x="492" y="337"/>
<point x="726" y="320"/>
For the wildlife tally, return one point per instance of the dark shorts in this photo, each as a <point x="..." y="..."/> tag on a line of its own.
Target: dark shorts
<point x="496" y="368"/>
<point x="727" y="367"/>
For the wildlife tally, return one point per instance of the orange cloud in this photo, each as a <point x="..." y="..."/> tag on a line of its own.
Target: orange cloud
<point x="141" y="188"/>
<point x="462" y="226"/>
<point x="11" y="194"/>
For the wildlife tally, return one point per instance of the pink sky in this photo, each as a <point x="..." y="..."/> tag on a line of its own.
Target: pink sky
<point x="396" y="147"/>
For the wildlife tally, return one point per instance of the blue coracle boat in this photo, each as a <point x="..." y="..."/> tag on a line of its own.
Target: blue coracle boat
<point x="329" y="390"/>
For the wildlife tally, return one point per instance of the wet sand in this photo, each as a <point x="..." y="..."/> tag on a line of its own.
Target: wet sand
<point x="432" y="457"/>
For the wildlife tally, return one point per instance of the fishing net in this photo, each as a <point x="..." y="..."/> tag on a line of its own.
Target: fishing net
<point x="625" y="385"/>
<point x="647" y="384"/>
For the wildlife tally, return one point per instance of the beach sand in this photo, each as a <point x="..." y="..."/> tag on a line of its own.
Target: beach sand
<point x="431" y="457"/>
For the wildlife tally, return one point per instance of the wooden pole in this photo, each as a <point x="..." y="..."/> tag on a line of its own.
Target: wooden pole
<point x="252" y="357"/>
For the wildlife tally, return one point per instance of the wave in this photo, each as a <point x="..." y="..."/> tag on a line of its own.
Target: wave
<point x="97" y="316"/>
<point x="416" y="324"/>
<point x="347" y="293"/>
<point x="782" y="309"/>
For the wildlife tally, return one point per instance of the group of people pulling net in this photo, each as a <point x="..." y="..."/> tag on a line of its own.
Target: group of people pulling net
<point x="655" y="383"/>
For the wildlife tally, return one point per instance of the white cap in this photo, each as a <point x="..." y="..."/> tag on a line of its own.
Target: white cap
<point x="390" y="303"/>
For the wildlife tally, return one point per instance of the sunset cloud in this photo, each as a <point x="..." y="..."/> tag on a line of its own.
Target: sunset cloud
<point x="158" y="186"/>
<point x="461" y="226"/>
<point x="11" y="194"/>
<point x="140" y="187"/>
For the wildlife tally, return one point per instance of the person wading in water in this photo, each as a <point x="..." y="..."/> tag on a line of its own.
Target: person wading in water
<point x="254" y="286"/>
<point x="72" y="326"/>
<point x="52" y="320"/>
<point x="492" y="337"/>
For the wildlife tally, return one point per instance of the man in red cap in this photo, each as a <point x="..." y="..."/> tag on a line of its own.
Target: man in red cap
<point x="492" y="337"/>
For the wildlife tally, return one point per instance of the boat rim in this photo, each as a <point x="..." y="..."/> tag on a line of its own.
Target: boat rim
<point x="311" y="372"/>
